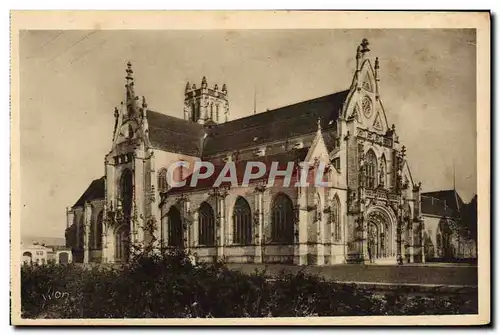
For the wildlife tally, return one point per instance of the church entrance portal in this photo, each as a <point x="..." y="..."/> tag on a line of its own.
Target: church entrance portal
<point x="380" y="238"/>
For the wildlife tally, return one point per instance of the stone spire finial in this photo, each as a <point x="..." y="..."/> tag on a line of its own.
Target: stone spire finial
<point x="319" y="124"/>
<point x="364" y="46"/>
<point x="204" y="82"/>
<point x="193" y="87"/>
<point x="224" y="89"/>
<point x="188" y="87"/>
<point x="144" y="107"/>
<point x="130" y="74"/>
<point x="216" y="87"/>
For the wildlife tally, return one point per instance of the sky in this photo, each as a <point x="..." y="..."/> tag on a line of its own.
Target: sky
<point x="70" y="82"/>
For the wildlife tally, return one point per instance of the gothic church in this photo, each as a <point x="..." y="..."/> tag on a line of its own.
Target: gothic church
<point x="370" y="211"/>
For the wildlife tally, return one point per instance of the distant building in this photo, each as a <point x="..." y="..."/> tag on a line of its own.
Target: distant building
<point x="371" y="211"/>
<point x="36" y="253"/>
<point x="441" y="212"/>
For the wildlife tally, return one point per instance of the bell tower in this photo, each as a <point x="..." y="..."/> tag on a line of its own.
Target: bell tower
<point x="206" y="105"/>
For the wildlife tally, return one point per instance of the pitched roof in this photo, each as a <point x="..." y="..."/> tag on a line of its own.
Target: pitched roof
<point x="174" y="134"/>
<point x="435" y="206"/>
<point x="278" y="124"/>
<point x="450" y="197"/>
<point x="93" y="192"/>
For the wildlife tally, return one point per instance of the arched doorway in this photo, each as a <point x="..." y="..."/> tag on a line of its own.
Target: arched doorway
<point x="174" y="227"/>
<point x="380" y="237"/>
<point x="63" y="258"/>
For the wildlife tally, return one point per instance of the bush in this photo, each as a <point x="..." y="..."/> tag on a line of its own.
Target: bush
<point x="155" y="286"/>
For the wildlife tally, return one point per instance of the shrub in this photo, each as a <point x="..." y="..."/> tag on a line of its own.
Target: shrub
<point x="164" y="286"/>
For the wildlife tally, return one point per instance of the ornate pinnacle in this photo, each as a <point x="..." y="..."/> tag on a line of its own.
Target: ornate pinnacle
<point x="319" y="123"/>
<point x="188" y="87"/>
<point x="364" y="45"/>
<point x="193" y="87"/>
<point x="130" y="73"/>
<point x="144" y="103"/>
<point x="358" y="52"/>
<point x="224" y="89"/>
<point x="216" y="87"/>
<point x="204" y="82"/>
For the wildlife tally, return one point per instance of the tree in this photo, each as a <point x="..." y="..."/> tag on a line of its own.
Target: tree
<point x="468" y="219"/>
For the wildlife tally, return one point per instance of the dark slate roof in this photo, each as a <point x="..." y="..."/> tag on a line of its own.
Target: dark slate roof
<point x="177" y="135"/>
<point x="93" y="192"/>
<point x="435" y="206"/>
<point x="451" y="197"/>
<point x="173" y="134"/>
<point x="295" y="155"/>
<point x="278" y="124"/>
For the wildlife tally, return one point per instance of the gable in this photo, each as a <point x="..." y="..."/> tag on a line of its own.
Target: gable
<point x="407" y="174"/>
<point x="363" y="104"/>
<point x="318" y="149"/>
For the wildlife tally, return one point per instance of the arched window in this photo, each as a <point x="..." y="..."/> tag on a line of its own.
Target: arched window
<point x="206" y="225"/>
<point x="336" y="220"/>
<point x="162" y="181"/>
<point x="80" y="232"/>
<point x="194" y="114"/>
<point x="217" y="113"/>
<point x="211" y="111"/>
<point x="126" y="187"/>
<point x="282" y="219"/>
<point x="242" y="222"/>
<point x="98" y="231"/>
<point x="95" y="234"/>
<point x="174" y="226"/>
<point x="371" y="170"/>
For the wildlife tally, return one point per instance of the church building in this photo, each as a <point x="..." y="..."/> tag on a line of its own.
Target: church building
<point x="369" y="211"/>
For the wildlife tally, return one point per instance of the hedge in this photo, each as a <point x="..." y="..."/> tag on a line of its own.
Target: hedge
<point x="170" y="286"/>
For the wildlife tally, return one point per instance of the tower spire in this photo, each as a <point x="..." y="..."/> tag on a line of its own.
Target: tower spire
<point x="130" y="81"/>
<point x="454" y="188"/>
<point x="255" y="99"/>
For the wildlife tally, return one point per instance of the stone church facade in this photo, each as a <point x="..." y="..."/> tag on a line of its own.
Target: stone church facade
<point x="370" y="210"/>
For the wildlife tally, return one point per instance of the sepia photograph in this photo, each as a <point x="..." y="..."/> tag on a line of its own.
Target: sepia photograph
<point x="259" y="167"/>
